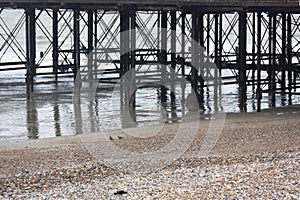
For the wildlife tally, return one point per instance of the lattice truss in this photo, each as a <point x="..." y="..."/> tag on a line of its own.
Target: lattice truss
<point x="104" y="56"/>
<point x="149" y="38"/>
<point x="184" y="38"/>
<point x="221" y="34"/>
<point x="295" y="39"/>
<point x="266" y="42"/>
<point x="147" y="41"/>
<point x="13" y="43"/>
<point x="147" y="25"/>
<point x="12" y="37"/>
<point x="229" y="37"/>
<point x="65" y="20"/>
<point x="270" y="24"/>
<point x="44" y="37"/>
<point x="107" y="35"/>
<point x="217" y="42"/>
<point x="295" y="19"/>
<point x="267" y="37"/>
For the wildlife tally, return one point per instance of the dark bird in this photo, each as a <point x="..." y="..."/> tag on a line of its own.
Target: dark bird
<point x="120" y="137"/>
<point x="120" y="192"/>
<point x="111" y="138"/>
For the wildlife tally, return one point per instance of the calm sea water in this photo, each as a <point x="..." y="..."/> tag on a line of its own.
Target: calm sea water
<point x="51" y="112"/>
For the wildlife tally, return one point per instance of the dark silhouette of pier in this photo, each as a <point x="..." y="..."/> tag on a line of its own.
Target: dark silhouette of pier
<point x="247" y="38"/>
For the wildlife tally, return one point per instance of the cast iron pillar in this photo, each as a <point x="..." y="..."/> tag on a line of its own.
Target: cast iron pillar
<point x="259" y="45"/>
<point x="289" y="55"/>
<point x="242" y="60"/>
<point x="55" y="44"/>
<point x="282" y="60"/>
<point x="30" y="49"/>
<point x="163" y="56"/>
<point x="76" y="30"/>
<point x="195" y="52"/>
<point x="272" y="58"/>
<point x="173" y="62"/>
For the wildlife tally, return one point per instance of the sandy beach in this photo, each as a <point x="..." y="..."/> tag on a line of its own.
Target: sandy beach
<point x="256" y="156"/>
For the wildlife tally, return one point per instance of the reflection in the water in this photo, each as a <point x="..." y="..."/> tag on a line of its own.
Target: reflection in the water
<point x="283" y="99"/>
<point x="54" y="111"/>
<point x="94" y="115"/>
<point x="77" y="113"/>
<point x="32" y="120"/>
<point x="56" y="120"/>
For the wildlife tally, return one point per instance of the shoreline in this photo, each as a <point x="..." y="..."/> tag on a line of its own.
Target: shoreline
<point x="8" y="145"/>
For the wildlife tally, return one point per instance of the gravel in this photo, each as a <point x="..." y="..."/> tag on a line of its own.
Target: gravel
<point x="268" y="176"/>
<point x="257" y="157"/>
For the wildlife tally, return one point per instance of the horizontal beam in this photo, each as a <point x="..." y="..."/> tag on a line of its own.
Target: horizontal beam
<point x="12" y="63"/>
<point x="295" y="68"/>
<point x="208" y="6"/>
<point x="150" y="2"/>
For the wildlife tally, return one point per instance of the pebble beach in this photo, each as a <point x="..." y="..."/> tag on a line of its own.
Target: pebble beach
<point x="256" y="157"/>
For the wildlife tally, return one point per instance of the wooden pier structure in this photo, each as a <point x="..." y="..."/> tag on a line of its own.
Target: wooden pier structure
<point x="257" y="41"/>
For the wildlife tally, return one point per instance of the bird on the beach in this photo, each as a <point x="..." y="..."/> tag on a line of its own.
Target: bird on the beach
<point x="120" y="192"/>
<point x="111" y="138"/>
<point x="120" y="137"/>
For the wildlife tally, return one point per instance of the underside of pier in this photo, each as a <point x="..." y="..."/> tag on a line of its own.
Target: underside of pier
<point x="252" y="44"/>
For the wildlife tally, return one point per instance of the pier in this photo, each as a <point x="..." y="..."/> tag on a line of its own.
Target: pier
<point x="257" y="43"/>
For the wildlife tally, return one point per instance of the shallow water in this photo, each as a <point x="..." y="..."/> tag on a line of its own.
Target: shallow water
<point x="52" y="111"/>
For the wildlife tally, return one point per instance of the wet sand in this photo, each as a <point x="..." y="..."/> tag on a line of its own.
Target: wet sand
<point x="256" y="155"/>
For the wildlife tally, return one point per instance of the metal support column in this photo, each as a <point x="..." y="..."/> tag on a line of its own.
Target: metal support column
<point x="173" y="61"/>
<point x="76" y="56"/>
<point x="183" y="46"/>
<point x="133" y="38"/>
<point x="132" y="103"/>
<point x="201" y="57"/>
<point x="220" y="48"/>
<point x="125" y="90"/>
<point x="76" y="30"/>
<point x="259" y="46"/>
<point x="195" y="52"/>
<point x="90" y="24"/>
<point x="164" y="38"/>
<point x="173" y="39"/>
<point x="96" y="45"/>
<point x="55" y="44"/>
<point x="30" y="49"/>
<point x="272" y="58"/>
<point x="90" y="30"/>
<point x="124" y="29"/>
<point x="289" y="55"/>
<point x="282" y="61"/>
<point x="217" y="61"/>
<point x="269" y="68"/>
<point x="253" y="50"/>
<point x="208" y="35"/>
<point x="183" y="41"/>
<point x="91" y="66"/>
<point x="242" y="60"/>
